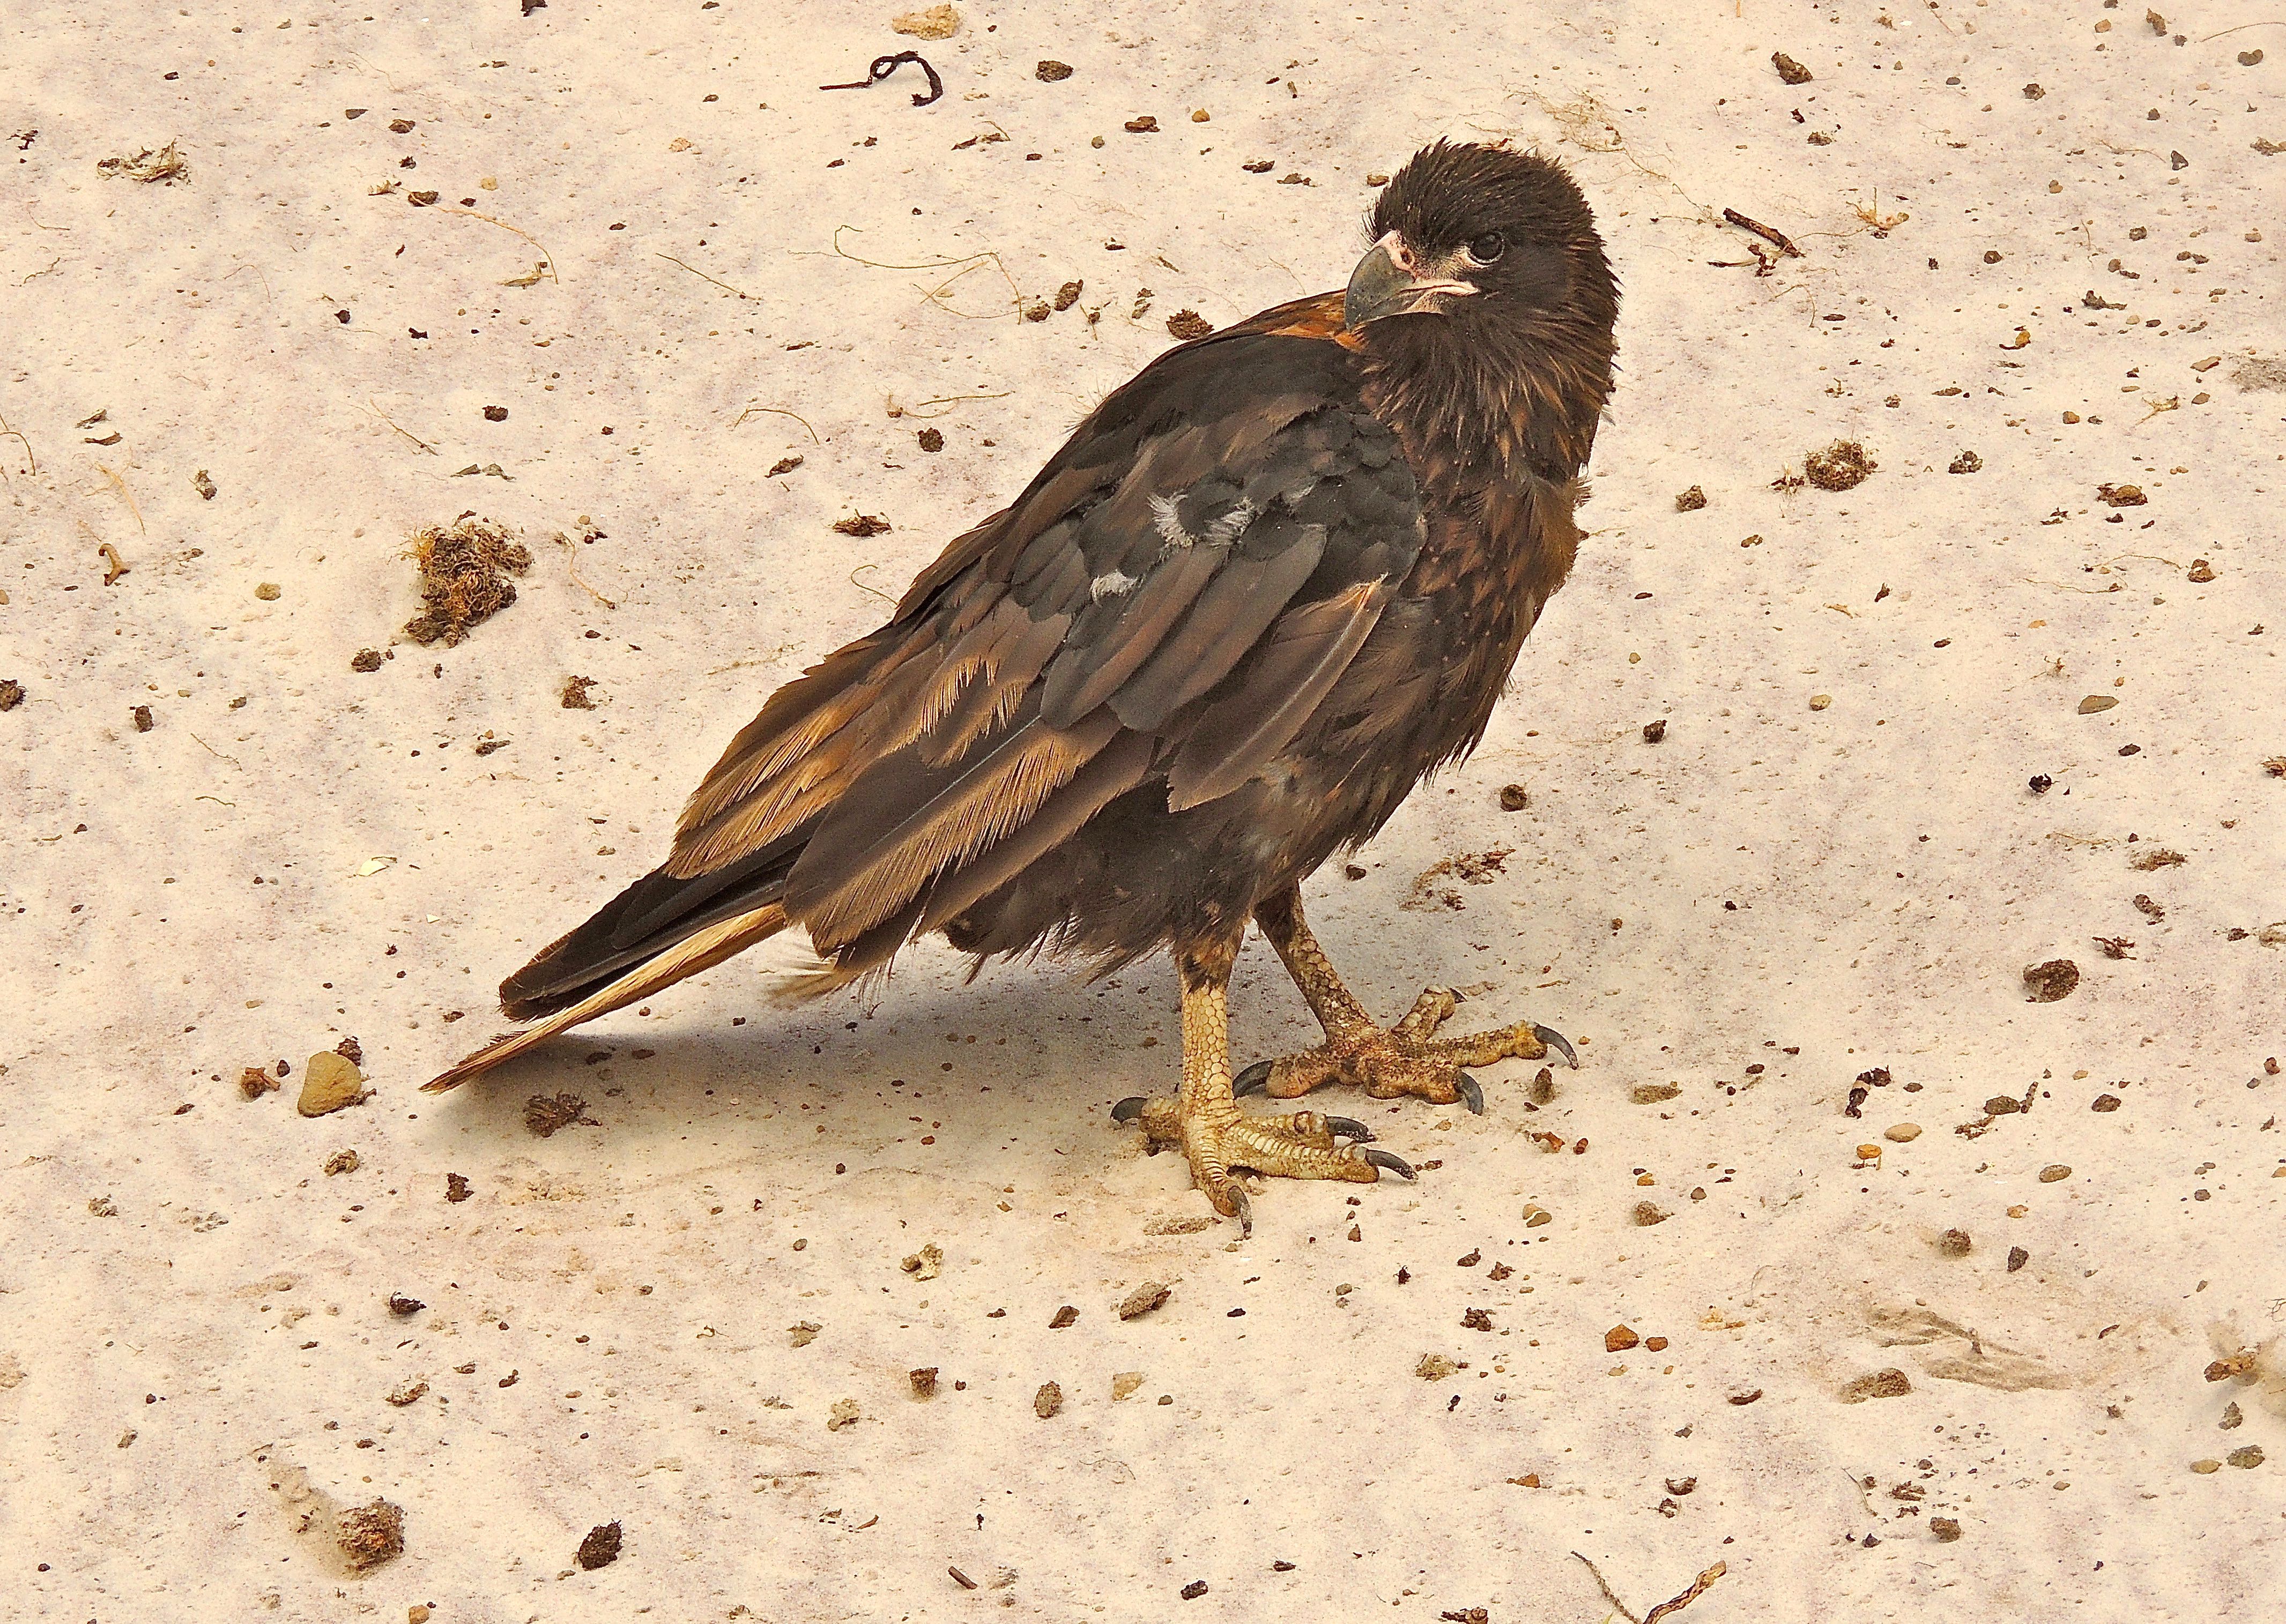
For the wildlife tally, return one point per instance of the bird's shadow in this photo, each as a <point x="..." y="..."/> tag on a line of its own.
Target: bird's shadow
<point x="1026" y="1044"/>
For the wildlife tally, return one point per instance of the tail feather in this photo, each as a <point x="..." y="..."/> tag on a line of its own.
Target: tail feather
<point x="700" y="950"/>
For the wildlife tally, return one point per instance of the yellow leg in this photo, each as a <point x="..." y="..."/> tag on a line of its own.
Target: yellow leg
<point x="1215" y="1136"/>
<point x="1407" y="1058"/>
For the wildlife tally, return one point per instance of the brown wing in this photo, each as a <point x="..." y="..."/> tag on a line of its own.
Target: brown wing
<point x="1171" y="596"/>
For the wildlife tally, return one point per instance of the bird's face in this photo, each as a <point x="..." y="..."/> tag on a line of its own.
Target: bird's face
<point x="1472" y="234"/>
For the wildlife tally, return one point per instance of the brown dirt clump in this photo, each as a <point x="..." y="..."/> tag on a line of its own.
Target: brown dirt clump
<point x="1188" y="323"/>
<point x="2045" y="984"/>
<point x="1842" y="466"/>
<point x="11" y="695"/>
<point x="372" y="1534"/>
<point x="575" y="695"/>
<point x="600" y="1548"/>
<point x="464" y="577"/>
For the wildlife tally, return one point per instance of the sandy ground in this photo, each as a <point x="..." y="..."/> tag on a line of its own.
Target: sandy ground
<point x="1831" y="864"/>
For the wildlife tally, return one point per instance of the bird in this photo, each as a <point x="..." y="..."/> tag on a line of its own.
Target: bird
<point x="1268" y="585"/>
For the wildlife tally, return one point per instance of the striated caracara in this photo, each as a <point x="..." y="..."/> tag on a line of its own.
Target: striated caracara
<point x="1266" y="586"/>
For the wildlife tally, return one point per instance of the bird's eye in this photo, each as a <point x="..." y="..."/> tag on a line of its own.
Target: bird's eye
<point x="1488" y="247"/>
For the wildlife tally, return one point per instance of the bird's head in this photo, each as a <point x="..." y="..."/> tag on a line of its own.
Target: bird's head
<point x="1480" y="237"/>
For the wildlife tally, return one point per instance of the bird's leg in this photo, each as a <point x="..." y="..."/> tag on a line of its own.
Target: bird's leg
<point x="1407" y="1058"/>
<point x="1203" y="1120"/>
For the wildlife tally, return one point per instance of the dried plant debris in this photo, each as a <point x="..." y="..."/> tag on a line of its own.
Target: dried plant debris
<point x="167" y="164"/>
<point x="1842" y="466"/>
<point x="1789" y="70"/>
<point x="863" y="524"/>
<point x="544" y="1115"/>
<point x="1048" y="1401"/>
<point x="600" y="1548"/>
<point x="371" y="1535"/>
<point x="255" y="1081"/>
<point x="1690" y="501"/>
<point x="366" y="660"/>
<point x="1051" y="73"/>
<point x="12" y="693"/>
<point x="1187" y="323"/>
<point x="1472" y="868"/>
<point x="926" y="1264"/>
<point x="464" y="577"/>
<point x="2121" y="496"/>
<point x="2045" y="984"/>
<point x="1968" y="462"/>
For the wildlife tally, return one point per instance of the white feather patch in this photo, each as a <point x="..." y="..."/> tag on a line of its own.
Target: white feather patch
<point x="1170" y="528"/>
<point x="1116" y="584"/>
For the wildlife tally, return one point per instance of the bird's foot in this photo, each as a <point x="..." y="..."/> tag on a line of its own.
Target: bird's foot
<point x="1407" y="1058"/>
<point x="1218" y="1140"/>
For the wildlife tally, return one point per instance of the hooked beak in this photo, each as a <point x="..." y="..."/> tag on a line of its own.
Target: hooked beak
<point x="1390" y="281"/>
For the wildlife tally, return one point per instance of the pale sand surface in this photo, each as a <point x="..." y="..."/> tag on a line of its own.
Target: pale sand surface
<point x="188" y="901"/>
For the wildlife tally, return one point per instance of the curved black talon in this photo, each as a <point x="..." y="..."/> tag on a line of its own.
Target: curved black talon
<point x="1397" y="1165"/>
<point x="1472" y="1096"/>
<point x="1558" y="1041"/>
<point x="1349" y="1128"/>
<point x="1252" y="1081"/>
<point x="1129" y="1108"/>
<point x="1245" y="1212"/>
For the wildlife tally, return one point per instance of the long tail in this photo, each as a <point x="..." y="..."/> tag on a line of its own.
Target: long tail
<point x="700" y="950"/>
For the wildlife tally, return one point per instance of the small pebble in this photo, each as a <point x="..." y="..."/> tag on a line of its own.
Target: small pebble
<point x="268" y="592"/>
<point x="1903" y="1132"/>
<point x="2017" y="1258"/>
<point x="1142" y="1300"/>
<point x="2206" y="1468"/>
<point x="1048" y="1401"/>
<point x="1820" y="702"/>
<point x="1944" y="1530"/>
<point x="330" y="1082"/>
<point x="2246" y="1459"/>
<point x="2055" y="1172"/>
<point x="1620" y="1338"/>
<point x="1955" y="1244"/>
